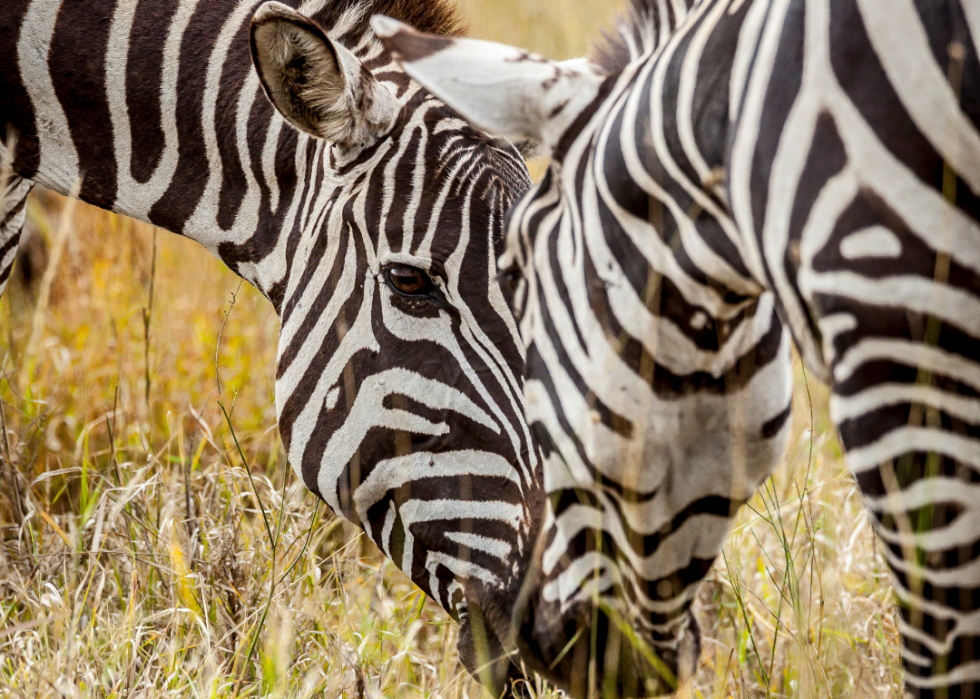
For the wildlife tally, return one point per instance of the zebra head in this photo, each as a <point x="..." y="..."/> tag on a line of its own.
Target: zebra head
<point x="652" y="381"/>
<point x="399" y="384"/>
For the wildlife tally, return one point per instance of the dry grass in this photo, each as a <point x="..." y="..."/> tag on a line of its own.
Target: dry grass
<point x="800" y="605"/>
<point x="149" y="563"/>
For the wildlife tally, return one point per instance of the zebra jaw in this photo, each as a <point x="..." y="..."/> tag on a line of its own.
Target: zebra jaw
<point x="503" y="90"/>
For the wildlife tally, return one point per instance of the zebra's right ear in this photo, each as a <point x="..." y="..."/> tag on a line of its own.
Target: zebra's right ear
<point x="500" y="89"/>
<point x="316" y="84"/>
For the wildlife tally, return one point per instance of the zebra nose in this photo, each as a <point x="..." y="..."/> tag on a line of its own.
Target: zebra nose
<point x="520" y="689"/>
<point x="485" y="657"/>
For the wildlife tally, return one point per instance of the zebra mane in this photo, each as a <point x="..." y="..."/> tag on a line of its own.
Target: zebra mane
<point x="637" y="30"/>
<point x="348" y="20"/>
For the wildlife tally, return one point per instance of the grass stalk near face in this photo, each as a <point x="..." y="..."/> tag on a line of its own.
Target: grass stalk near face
<point x="153" y="542"/>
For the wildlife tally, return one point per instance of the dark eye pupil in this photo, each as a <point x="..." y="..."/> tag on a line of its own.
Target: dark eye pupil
<point x="408" y="280"/>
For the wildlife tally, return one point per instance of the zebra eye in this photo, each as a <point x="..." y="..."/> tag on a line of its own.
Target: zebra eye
<point x="410" y="281"/>
<point x="509" y="279"/>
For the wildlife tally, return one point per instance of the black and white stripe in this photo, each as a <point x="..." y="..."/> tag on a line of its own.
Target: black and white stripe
<point x="816" y="157"/>
<point x="373" y="227"/>
<point x="13" y="210"/>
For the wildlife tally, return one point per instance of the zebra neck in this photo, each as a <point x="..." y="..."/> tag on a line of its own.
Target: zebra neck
<point x="658" y="370"/>
<point x="200" y="150"/>
<point x="153" y="109"/>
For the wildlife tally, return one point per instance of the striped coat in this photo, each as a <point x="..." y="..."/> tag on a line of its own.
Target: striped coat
<point x="736" y="171"/>
<point x="284" y="139"/>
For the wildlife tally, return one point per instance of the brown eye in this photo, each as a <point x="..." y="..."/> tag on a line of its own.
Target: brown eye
<point x="407" y="280"/>
<point x="509" y="279"/>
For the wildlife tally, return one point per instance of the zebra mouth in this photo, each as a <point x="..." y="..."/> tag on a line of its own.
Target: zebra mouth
<point x="483" y="654"/>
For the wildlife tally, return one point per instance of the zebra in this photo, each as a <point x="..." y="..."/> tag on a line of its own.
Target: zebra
<point x="284" y="139"/>
<point x="725" y="175"/>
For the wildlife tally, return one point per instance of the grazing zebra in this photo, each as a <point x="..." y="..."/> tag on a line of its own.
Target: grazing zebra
<point x="366" y="212"/>
<point x="729" y="160"/>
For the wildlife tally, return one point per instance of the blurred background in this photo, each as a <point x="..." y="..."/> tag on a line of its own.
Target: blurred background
<point x="143" y="565"/>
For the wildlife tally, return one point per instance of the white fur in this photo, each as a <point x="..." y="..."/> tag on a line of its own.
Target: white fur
<point x="503" y="90"/>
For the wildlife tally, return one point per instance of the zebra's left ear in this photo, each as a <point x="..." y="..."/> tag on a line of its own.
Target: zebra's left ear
<point x="317" y="84"/>
<point x="500" y="89"/>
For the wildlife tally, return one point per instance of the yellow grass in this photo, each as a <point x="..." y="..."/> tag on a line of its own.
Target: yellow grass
<point x="143" y="566"/>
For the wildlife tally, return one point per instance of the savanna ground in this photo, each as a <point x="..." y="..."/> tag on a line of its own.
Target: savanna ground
<point x="154" y="557"/>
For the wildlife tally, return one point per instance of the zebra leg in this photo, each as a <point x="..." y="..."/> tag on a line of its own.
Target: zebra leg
<point x="910" y="423"/>
<point x="13" y="211"/>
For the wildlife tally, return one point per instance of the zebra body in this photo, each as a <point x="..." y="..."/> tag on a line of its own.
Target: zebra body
<point x="818" y="158"/>
<point x="362" y="208"/>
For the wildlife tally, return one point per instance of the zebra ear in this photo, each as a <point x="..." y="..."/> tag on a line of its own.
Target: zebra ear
<point x="500" y="89"/>
<point x="316" y="84"/>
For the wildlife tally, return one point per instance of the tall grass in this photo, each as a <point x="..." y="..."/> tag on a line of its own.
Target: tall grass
<point x="165" y="550"/>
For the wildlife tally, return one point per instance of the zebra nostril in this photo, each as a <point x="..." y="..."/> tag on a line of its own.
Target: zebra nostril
<point x="521" y="689"/>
